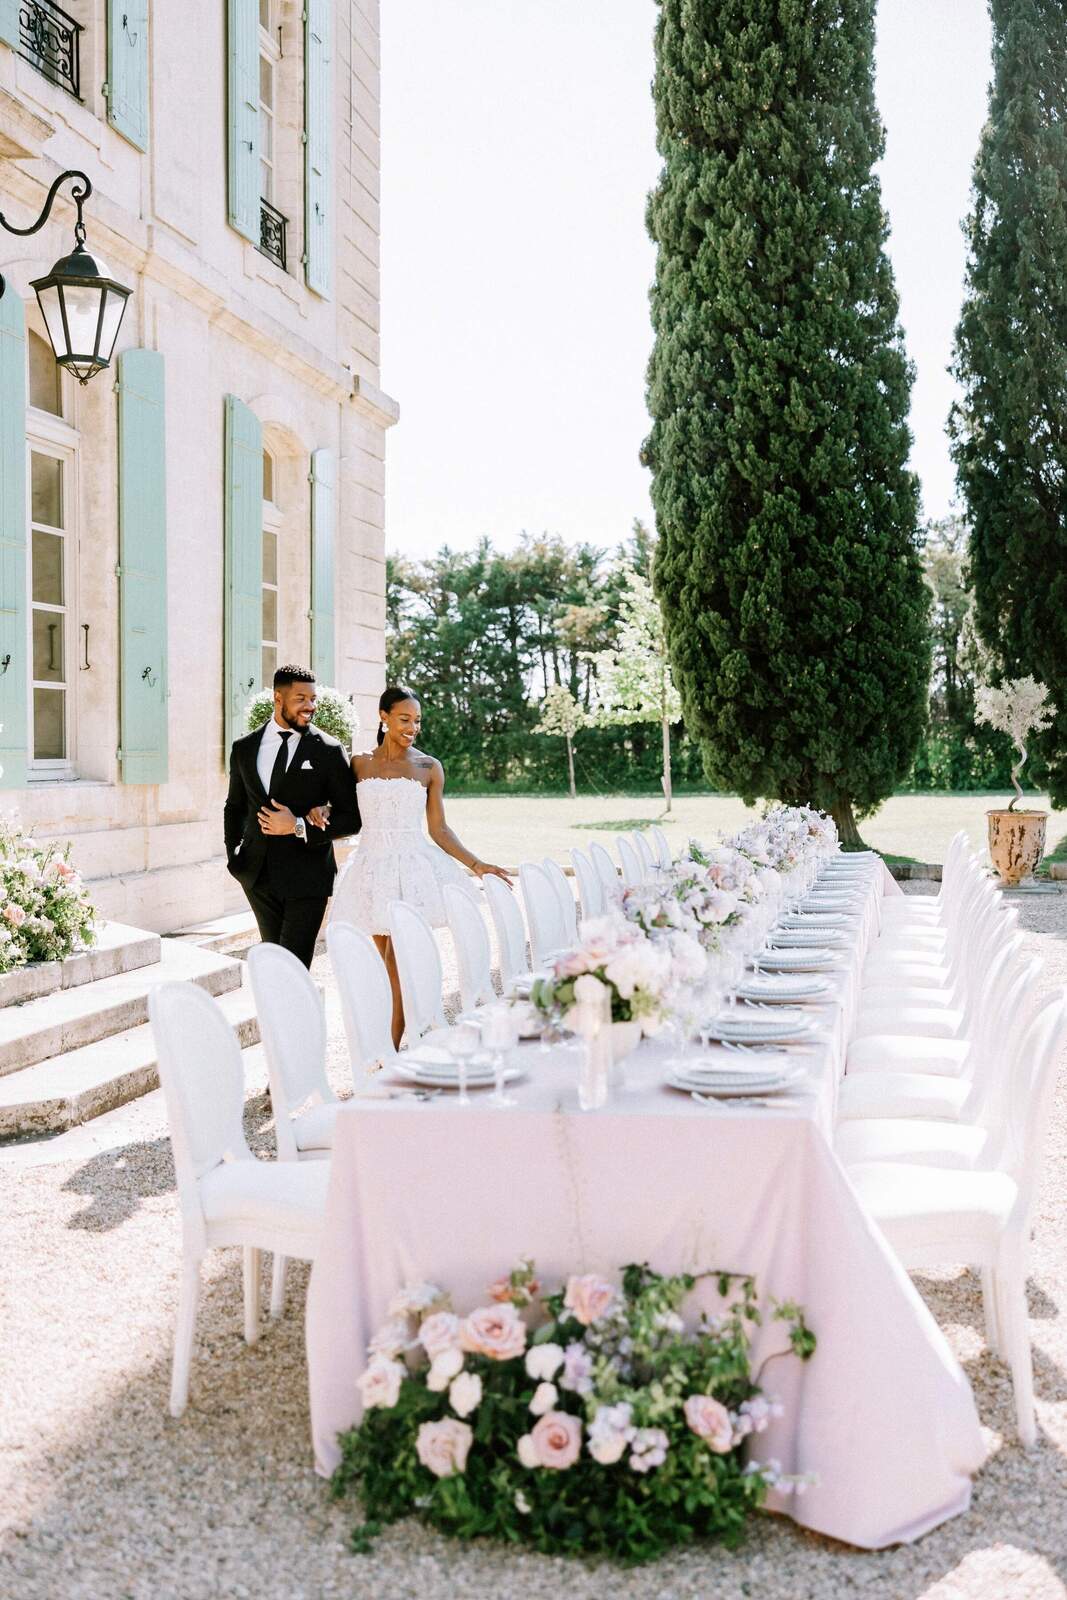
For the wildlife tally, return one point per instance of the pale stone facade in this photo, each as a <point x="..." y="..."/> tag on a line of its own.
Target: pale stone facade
<point x="227" y="320"/>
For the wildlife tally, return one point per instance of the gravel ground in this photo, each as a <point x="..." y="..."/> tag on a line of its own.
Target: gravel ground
<point x="103" y="1496"/>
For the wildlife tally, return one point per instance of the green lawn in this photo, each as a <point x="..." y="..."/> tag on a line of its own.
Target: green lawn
<point x="508" y="829"/>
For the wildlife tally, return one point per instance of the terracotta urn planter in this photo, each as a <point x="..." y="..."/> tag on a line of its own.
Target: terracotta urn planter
<point x="1016" y="843"/>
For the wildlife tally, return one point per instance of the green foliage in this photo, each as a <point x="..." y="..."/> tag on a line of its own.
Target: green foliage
<point x="484" y="636"/>
<point x="787" y="561"/>
<point x="642" y="1360"/>
<point x="46" y="911"/>
<point x="334" y="713"/>
<point x="1009" y="431"/>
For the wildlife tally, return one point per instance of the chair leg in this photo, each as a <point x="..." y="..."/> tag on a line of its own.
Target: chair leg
<point x="1011" y="1307"/>
<point x="277" y="1285"/>
<point x="993" y="1335"/>
<point x="188" y="1295"/>
<point x="251" y="1283"/>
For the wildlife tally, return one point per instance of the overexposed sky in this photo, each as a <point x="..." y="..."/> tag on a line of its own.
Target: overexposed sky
<point x="517" y="151"/>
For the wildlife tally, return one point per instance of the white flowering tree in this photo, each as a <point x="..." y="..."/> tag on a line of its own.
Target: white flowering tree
<point x="562" y="716"/>
<point x="633" y="681"/>
<point x="1018" y="708"/>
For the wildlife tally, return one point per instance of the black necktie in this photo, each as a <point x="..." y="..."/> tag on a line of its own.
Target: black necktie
<point x="281" y="762"/>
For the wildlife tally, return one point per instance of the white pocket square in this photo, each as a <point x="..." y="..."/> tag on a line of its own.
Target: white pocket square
<point x="307" y="767"/>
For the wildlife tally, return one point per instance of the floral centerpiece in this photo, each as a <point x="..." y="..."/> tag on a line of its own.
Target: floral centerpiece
<point x="616" y="953"/>
<point x="786" y="837"/>
<point x="603" y="1426"/>
<point x="45" y="911"/>
<point x="685" y="906"/>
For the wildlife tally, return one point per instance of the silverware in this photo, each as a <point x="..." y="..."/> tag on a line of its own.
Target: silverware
<point x="734" y="1099"/>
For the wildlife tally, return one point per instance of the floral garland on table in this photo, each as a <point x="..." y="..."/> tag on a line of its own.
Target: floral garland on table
<point x="610" y="1428"/>
<point x="786" y="837"/>
<point x="45" y="911"/>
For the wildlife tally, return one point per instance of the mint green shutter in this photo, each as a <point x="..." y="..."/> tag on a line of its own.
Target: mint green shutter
<point x="127" y="69"/>
<point x="318" y="150"/>
<point x="142" y="568"/>
<point x="242" y="110"/>
<point x="243" y="650"/>
<point x="323" y="525"/>
<point x="13" y="596"/>
<point x="9" y="22"/>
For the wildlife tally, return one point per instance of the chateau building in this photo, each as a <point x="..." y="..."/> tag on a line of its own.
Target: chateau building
<point x="212" y="504"/>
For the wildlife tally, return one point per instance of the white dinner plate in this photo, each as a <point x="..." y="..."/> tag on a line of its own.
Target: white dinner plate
<point x="815" y="919"/>
<point x="783" y="989"/>
<point x="760" y="1027"/>
<point x="800" y="960"/>
<point x="800" y="938"/>
<point x="771" y="1081"/>
<point x="428" y="1065"/>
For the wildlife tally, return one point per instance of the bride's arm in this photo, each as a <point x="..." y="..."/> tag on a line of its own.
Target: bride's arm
<point x="442" y="834"/>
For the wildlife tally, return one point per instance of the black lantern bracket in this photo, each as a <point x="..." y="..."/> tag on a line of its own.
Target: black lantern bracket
<point x="81" y="190"/>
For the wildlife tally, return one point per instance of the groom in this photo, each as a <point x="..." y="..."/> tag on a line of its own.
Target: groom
<point x="284" y="862"/>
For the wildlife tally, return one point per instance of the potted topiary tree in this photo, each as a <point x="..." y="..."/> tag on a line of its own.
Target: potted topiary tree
<point x="1018" y="707"/>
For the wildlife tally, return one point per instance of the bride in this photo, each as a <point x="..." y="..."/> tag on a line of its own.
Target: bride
<point x="398" y="787"/>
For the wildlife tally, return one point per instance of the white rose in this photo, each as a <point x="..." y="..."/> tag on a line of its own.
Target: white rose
<point x="545" y="1397"/>
<point x="544" y="1360"/>
<point x="443" y="1369"/>
<point x="608" y="1448"/>
<point x="528" y="1452"/>
<point x="465" y="1393"/>
<point x="588" y="989"/>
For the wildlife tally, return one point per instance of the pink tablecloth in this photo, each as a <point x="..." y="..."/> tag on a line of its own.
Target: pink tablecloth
<point x="882" y="1413"/>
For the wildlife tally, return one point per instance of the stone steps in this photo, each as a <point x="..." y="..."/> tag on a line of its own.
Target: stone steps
<point x="118" y="948"/>
<point x="52" y="1096"/>
<point x="68" y="1019"/>
<point x="233" y="935"/>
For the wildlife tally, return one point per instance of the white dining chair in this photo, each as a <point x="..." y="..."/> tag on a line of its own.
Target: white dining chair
<point x="630" y="862"/>
<point x="565" y="895"/>
<point x="292" y="1027"/>
<point x="645" y="856"/>
<point x="662" y="848"/>
<point x="509" y="928"/>
<point x="932" y="908"/>
<point x="607" y="872"/>
<point x="470" y="936"/>
<point x="226" y="1197"/>
<point x="418" y="964"/>
<point x="366" y="997"/>
<point x="934" y="1217"/>
<point x="544" y="914"/>
<point x="590" y="888"/>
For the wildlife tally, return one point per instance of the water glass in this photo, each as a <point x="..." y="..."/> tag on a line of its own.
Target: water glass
<point x="498" y="1037"/>
<point x="463" y="1042"/>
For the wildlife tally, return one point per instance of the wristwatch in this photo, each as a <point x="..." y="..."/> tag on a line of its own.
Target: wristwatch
<point x="300" y="828"/>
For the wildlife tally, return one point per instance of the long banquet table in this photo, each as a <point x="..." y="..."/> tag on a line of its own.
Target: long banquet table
<point x="882" y="1414"/>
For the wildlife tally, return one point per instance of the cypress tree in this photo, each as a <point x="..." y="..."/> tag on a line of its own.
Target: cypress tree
<point x="1009" y="430"/>
<point x="788" y="560"/>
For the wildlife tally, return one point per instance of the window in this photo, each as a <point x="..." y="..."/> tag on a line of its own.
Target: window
<point x="271" y="527"/>
<point x="52" y="459"/>
<point x="272" y="223"/>
<point x="50" y="40"/>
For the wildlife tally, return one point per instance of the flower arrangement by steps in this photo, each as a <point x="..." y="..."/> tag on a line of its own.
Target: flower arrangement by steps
<point x="45" y="911"/>
<point x="335" y="713"/>
<point x="586" y="1421"/>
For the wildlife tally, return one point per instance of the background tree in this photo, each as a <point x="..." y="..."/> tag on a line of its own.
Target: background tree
<point x="562" y="716"/>
<point x="633" y="679"/>
<point x="1009" y="431"/>
<point x="787" y="561"/>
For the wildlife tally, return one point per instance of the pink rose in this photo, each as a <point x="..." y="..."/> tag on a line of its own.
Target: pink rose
<point x="588" y="1298"/>
<point x="556" y="1440"/>
<point x="710" y="1421"/>
<point x="438" y="1333"/>
<point x="494" y="1331"/>
<point x="15" y="915"/>
<point x="502" y="1290"/>
<point x="572" y="965"/>
<point x="379" y="1384"/>
<point x="443" y="1446"/>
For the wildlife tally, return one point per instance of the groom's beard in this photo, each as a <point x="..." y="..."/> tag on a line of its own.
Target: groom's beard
<point x="295" y="723"/>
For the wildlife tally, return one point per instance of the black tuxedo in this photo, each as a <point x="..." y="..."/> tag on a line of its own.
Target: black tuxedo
<point x="287" y="881"/>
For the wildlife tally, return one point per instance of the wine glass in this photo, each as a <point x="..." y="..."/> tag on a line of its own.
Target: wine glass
<point x="463" y="1042"/>
<point x="498" y="1037"/>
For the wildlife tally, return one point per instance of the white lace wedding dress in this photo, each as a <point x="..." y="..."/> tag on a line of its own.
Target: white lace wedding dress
<point x="393" y="859"/>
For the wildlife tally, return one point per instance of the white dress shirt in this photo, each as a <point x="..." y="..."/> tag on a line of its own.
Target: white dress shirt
<point x="268" y="750"/>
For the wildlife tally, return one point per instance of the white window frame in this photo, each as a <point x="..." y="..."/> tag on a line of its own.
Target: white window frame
<point x="48" y="436"/>
<point x="270" y="51"/>
<point x="272" y="523"/>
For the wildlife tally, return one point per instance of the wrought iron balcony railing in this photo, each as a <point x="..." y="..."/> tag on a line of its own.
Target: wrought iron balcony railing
<point x="272" y="226"/>
<point x="50" y="41"/>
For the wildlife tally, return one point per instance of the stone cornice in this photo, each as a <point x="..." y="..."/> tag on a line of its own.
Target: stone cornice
<point x="373" y="403"/>
<point x="22" y="131"/>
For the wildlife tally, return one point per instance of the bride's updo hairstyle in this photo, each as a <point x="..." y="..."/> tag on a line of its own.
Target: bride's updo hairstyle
<point x="392" y="697"/>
